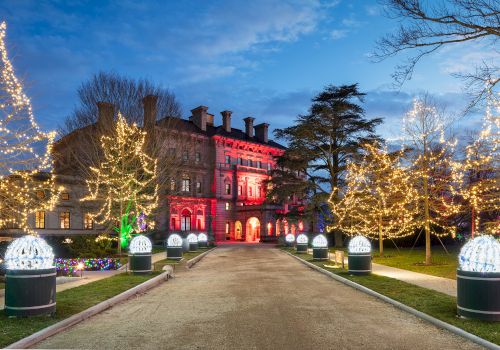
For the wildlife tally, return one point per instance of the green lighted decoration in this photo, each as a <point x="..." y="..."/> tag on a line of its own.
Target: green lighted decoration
<point x="126" y="227"/>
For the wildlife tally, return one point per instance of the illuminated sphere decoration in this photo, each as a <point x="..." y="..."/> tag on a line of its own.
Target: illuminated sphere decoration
<point x="29" y="253"/>
<point x="320" y="241"/>
<point x="359" y="244"/>
<point x="302" y="239"/>
<point x="192" y="238"/>
<point x="202" y="237"/>
<point x="174" y="240"/>
<point x="290" y="238"/>
<point x="481" y="254"/>
<point x="140" y="244"/>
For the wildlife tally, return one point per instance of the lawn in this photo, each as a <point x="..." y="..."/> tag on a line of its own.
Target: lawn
<point x="443" y="265"/>
<point x="438" y="305"/>
<point x="186" y="256"/>
<point x="69" y="302"/>
<point x="2" y="285"/>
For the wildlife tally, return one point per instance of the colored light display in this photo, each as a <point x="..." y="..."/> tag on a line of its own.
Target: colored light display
<point x="70" y="266"/>
<point x="302" y="239"/>
<point x="174" y="240"/>
<point x="140" y="244"/>
<point x="320" y="241"/>
<point x="481" y="254"/>
<point x="290" y="238"/>
<point x="29" y="253"/>
<point x="359" y="244"/>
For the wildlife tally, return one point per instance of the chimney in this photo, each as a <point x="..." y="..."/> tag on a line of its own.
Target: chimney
<point x="200" y="117"/>
<point x="226" y="120"/>
<point x="261" y="132"/>
<point x="210" y="119"/>
<point x="249" y="126"/>
<point x="106" y="114"/>
<point x="149" y="102"/>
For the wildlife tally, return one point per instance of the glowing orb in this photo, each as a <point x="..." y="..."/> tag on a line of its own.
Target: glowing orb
<point x="191" y="238"/>
<point x="290" y="238"/>
<point x="302" y="239"/>
<point x="174" y="240"/>
<point x="359" y="244"/>
<point x="29" y="253"/>
<point x="202" y="237"/>
<point x="481" y="254"/>
<point x="320" y="241"/>
<point x="140" y="244"/>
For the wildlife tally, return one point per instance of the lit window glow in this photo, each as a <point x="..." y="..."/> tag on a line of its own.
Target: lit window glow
<point x="29" y="253"/>
<point x="302" y="239"/>
<point x="481" y="254"/>
<point x="320" y="241"/>
<point x="174" y="240"/>
<point x="359" y="244"/>
<point x="140" y="244"/>
<point x="290" y="238"/>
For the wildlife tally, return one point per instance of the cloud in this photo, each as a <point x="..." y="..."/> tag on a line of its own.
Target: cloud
<point x="338" y="34"/>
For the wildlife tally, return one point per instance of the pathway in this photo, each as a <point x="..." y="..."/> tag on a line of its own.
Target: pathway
<point x="254" y="297"/>
<point x="440" y="284"/>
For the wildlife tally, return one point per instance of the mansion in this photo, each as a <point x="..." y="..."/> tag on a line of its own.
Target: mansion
<point x="217" y="178"/>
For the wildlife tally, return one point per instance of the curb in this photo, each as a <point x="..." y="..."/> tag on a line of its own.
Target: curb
<point x="419" y="314"/>
<point x="43" y="334"/>
<point x="193" y="261"/>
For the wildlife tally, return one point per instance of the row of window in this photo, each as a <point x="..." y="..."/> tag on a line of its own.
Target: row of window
<point x="64" y="195"/>
<point x="240" y="190"/>
<point x="64" y="220"/>
<point x="248" y="162"/>
<point x="185" y="155"/>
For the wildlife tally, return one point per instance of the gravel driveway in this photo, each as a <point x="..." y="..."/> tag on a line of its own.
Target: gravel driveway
<point x="254" y="297"/>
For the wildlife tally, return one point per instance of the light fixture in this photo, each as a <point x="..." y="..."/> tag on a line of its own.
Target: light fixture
<point x="191" y="238"/>
<point x="481" y="254"/>
<point x="140" y="244"/>
<point x="320" y="241"/>
<point x="29" y="253"/>
<point x="359" y="244"/>
<point x="202" y="237"/>
<point x="290" y="238"/>
<point x="302" y="239"/>
<point x="174" y="240"/>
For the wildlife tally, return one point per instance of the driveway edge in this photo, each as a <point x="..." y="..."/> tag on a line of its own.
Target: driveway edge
<point x="419" y="314"/>
<point x="193" y="261"/>
<point x="56" y="328"/>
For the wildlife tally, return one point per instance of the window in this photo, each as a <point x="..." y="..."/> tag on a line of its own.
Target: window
<point x="269" y="166"/>
<point x="88" y="222"/>
<point x="240" y="190"/>
<point x="185" y="156"/>
<point x="186" y="220"/>
<point x="228" y="227"/>
<point x="228" y="159"/>
<point x="259" y="164"/>
<point x="172" y="224"/>
<point x="40" y="194"/>
<point x="228" y="206"/>
<point x="198" y="187"/>
<point x="250" y="191"/>
<point x="172" y="185"/>
<point x="259" y="191"/>
<point x="228" y="188"/>
<point x="250" y="163"/>
<point x="186" y="185"/>
<point x="64" y="218"/>
<point x="65" y="196"/>
<point x="40" y="219"/>
<point x="197" y="157"/>
<point x="240" y="161"/>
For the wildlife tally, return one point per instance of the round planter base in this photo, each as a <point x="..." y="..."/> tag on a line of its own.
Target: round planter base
<point x="320" y="253"/>
<point x="478" y="295"/>
<point x="193" y="247"/>
<point x="140" y="263"/>
<point x="174" y="253"/>
<point x="301" y="248"/>
<point x="202" y="245"/>
<point x="30" y="292"/>
<point x="359" y="264"/>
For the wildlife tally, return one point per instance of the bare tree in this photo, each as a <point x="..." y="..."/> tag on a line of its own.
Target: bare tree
<point x="427" y="26"/>
<point x="124" y="93"/>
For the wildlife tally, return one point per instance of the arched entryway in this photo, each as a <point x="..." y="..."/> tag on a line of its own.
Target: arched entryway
<point x="253" y="230"/>
<point x="238" y="231"/>
<point x="185" y="220"/>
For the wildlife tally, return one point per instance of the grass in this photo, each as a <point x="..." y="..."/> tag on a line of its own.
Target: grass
<point x="438" y="305"/>
<point x="158" y="266"/>
<point x="69" y="302"/>
<point x="2" y="285"/>
<point x="443" y="265"/>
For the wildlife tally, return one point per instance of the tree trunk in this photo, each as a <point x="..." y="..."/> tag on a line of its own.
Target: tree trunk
<point x="339" y="242"/>
<point x="427" y="227"/>
<point x="380" y="240"/>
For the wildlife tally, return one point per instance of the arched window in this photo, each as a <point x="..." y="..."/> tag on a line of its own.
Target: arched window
<point x="186" y="220"/>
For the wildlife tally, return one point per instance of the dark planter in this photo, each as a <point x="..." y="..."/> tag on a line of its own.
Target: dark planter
<point x="193" y="246"/>
<point x="359" y="263"/>
<point x="174" y="253"/>
<point x="478" y="295"/>
<point x="320" y="253"/>
<point x="301" y="248"/>
<point x="30" y="292"/>
<point x="289" y="244"/>
<point x="202" y="245"/>
<point x="140" y="263"/>
<point x="185" y="245"/>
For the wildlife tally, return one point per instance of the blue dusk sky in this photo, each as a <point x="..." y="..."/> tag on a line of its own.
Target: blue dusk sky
<point x="260" y="58"/>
